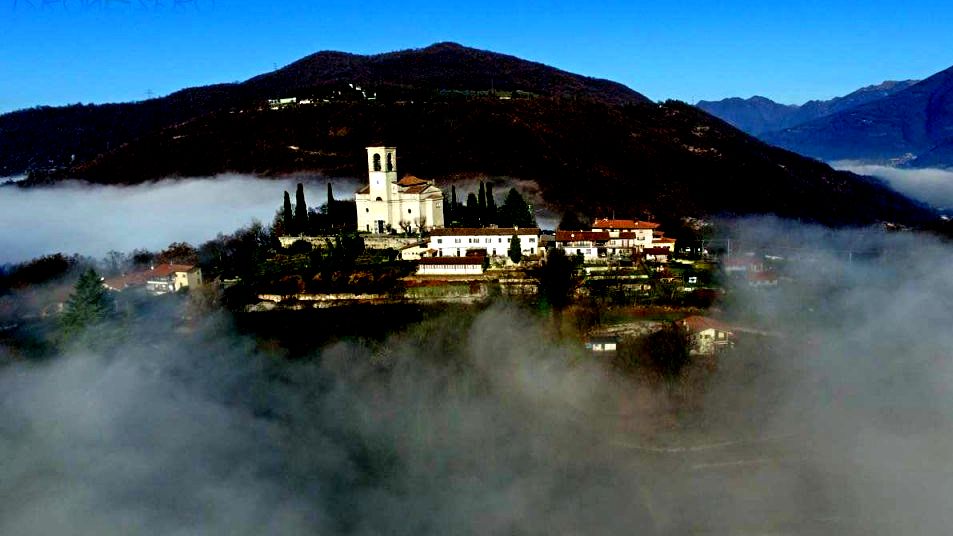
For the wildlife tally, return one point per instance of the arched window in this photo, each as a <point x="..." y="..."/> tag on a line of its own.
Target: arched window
<point x="377" y="162"/>
<point x="378" y="199"/>
<point x="390" y="162"/>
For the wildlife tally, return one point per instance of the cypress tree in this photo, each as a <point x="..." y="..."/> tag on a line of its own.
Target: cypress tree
<point x="330" y="204"/>
<point x="453" y="204"/>
<point x="473" y="210"/>
<point x="301" y="211"/>
<point x="516" y="249"/>
<point x="287" y="218"/>
<point x="490" y="205"/>
<point x="481" y="200"/>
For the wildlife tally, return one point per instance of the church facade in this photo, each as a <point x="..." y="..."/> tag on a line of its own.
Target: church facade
<point x="387" y="204"/>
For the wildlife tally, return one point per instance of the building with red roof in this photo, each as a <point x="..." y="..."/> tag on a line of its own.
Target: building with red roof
<point x="158" y="279"/>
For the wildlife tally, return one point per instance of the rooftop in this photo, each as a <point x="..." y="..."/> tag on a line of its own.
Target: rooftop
<point x="606" y="223"/>
<point x="485" y="231"/>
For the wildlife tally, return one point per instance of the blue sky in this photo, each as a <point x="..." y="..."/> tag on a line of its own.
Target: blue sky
<point x="65" y="51"/>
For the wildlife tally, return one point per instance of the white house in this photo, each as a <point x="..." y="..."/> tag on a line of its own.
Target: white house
<point x="613" y="239"/>
<point x="386" y="203"/>
<point x="630" y="234"/>
<point x="456" y="241"/>
<point x="468" y="265"/>
<point x="159" y="279"/>
<point x="707" y="334"/>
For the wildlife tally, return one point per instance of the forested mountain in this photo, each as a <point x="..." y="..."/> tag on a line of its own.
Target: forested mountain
<point x="454" y="112"/>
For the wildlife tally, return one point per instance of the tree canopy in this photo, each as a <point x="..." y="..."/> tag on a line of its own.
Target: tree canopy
<point x="88" y="305"/>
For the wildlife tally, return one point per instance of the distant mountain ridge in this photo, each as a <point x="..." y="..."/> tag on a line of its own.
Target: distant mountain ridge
<point x="454" y="112"/>
<point x="913" y="126"/>
<point x="759" y="115"/>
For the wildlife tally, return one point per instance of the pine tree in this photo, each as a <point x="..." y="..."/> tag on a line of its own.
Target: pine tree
<point x="515" y="211"/>
<point x="88" y="305"/>
<point x="301" y="211"/>
<point x="287" y="217"/>
<point x="516" y="249"/>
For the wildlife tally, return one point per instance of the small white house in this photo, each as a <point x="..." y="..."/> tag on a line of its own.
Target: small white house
<point x="470" y="265"/>
<point x="707" y="334"/>
<point x="414" y="252"/>
<point x="456" y="241"/>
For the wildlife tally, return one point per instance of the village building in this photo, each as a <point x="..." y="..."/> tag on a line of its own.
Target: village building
<point x="743" y="265"/>
<point x="467" y="265"/>
<point x="457" y="241"/>
<point x="387" y="204"/>
<point x="610" y="238"/>
<point x="160" y="279"/>
<point x="707" y="335"/>
<point x="602" y="344"/>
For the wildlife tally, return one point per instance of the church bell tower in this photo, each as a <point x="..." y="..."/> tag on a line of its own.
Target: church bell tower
<point x="381" y="171"/>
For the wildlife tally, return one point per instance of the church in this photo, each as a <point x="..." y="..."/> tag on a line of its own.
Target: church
<point x="387" y="204"/>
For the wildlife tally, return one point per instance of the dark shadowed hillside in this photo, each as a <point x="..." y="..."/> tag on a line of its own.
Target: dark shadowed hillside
<point x="913" y="122"/>
<point x="760" y="115"/>
<point x="457" y="112"/>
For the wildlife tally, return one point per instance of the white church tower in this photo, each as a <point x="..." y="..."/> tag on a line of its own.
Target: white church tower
<point x="382" y="171"/>
<point x="387" y="204"/>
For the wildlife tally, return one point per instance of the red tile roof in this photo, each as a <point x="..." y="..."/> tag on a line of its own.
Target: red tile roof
<point x="140" y="278"/>
<point x="417" y="189"/>
<point x="410" y="180"/>
<point x="697" y="323"/>
<point x="574" y="236"/>
<point x="606" y="223"/>
<point x="366" y="189"/>
<point x="656" y="251"/>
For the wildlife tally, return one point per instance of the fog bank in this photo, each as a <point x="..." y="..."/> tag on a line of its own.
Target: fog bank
<point x="92" y="220"/>
<point x="933" y="186"/>
<point x="840" y="422"/>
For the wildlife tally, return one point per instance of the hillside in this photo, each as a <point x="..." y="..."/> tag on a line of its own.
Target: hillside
<point x="759" y="115"/>
<point x="457" y="112"/>
<point x="913" y="122"/>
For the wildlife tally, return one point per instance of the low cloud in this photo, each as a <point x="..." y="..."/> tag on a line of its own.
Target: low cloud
<point x="92" y="220"/>
<point x="933" y="186"/>
<point x="474" y="423"/>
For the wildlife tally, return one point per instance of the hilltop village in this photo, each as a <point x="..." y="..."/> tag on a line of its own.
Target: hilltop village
<point x="402" y="241"/>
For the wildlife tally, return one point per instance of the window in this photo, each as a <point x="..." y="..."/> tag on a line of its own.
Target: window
<point x="489" y="240"/>
<point x="440" y="240"/>
<point x="377" y="162"/>
<point x="456" y="240"/>
<point x="531" y="240"/>
<point x="390" y="162"/>
<point x="408" y="211"/>
<point x="367" y="209"/>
